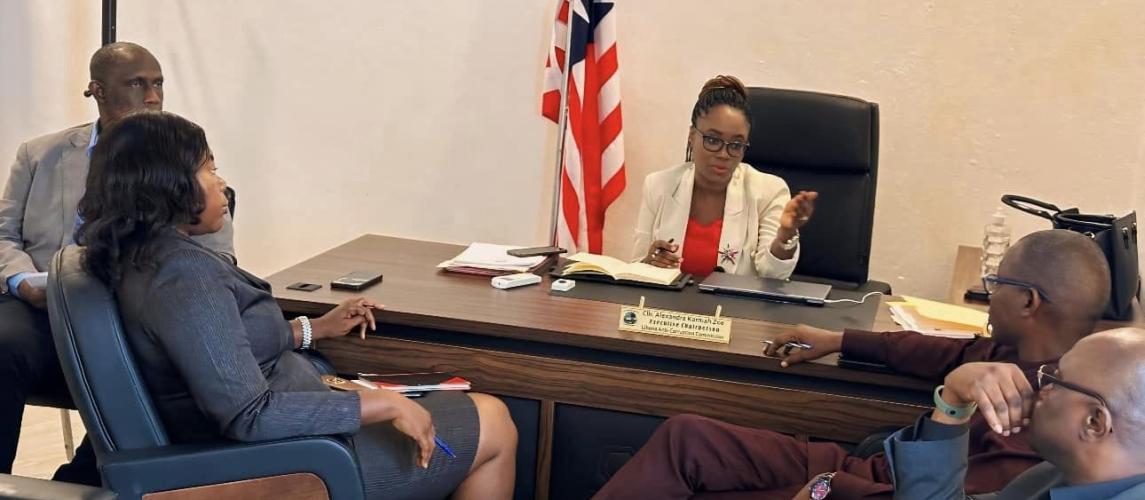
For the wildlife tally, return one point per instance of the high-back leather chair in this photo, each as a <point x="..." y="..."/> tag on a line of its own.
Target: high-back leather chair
<point x="64" y="403"/>
<point x="829" y="144"/>
<point x="134" y="453"/>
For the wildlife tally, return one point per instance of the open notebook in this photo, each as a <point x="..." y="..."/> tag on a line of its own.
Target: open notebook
<point x="587" y="263"/>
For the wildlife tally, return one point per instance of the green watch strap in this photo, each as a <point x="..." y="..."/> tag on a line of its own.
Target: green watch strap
<point x="952" y="411"/>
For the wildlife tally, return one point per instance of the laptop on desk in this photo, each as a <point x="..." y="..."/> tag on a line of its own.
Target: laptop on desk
<point x="766" y="288"/>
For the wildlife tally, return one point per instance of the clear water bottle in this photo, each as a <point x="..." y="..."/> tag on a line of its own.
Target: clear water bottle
<point x="994" y="243"/>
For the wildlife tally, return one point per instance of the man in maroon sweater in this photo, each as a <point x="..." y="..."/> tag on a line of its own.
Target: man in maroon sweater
<point x="1050" y="291"/>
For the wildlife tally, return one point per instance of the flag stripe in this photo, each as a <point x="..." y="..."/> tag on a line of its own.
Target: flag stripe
<point x="592" y="167"/>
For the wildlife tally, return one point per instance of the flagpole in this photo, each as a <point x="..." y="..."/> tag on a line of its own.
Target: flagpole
<point x="562" y="122"/>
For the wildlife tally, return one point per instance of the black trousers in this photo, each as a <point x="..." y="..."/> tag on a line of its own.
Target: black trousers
<point x="28" y="365"/>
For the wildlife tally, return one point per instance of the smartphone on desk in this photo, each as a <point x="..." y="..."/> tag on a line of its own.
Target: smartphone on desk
<point x="356" y="280"/>
<point x="536" y="251"/>
<point x="864" y="365"/>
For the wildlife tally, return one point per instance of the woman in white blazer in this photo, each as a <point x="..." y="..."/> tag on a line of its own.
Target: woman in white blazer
<point x="715" y="212"/>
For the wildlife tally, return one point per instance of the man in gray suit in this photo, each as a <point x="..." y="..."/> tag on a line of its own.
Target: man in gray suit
<point x="38" y="217"/>
<point x="1098" y="386"/>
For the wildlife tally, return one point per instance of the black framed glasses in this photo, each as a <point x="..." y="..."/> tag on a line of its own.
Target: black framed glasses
<point x="991" y="281"/>
<point x="714" y="144"/>
<point x="1048" y="374"/>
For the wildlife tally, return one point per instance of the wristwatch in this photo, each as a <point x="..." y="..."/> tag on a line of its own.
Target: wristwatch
<point x="822" y="486"/>
<point x="959" y="412"/>
<point x="791" y="243"/>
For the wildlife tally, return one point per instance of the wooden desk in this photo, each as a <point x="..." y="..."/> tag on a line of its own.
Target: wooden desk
<point x="525" y="343"/>
<point x="968" y="273"/>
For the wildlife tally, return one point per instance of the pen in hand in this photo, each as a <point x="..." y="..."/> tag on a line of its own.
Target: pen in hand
<point x="444" y="447"/>
<point x="788" y="346"/>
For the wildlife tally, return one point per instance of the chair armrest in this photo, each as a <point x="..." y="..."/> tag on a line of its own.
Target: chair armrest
<point x="134" y="473"/>
<point x="26" y="488"/>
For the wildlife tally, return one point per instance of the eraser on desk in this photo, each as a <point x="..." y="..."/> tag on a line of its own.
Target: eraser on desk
<point x="563" y="285"/>
<point x="514" y="280"/>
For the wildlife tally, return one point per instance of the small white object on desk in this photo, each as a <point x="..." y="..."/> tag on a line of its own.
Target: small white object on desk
<point x="563" y="285"/>
<point x="515" y="280"/>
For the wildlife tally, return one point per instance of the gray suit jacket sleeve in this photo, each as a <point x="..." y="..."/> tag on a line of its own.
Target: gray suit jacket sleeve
<point x="13" y="259"/>
<point x="934" y="470"/>
<point x="195" y="317"/>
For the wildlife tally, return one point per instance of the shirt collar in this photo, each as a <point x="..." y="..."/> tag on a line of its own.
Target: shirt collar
<point x="1107" y="489"/>
<point x="94" y="137"/>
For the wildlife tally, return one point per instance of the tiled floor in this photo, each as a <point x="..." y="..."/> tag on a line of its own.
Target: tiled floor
<point x="42" y="442"/>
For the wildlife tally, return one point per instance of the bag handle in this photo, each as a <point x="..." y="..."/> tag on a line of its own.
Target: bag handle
<point x="1021" y="202"/>
<point x="1085" y="223"/>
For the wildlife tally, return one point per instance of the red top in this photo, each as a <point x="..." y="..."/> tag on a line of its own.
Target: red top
<point x="701" y="247"/>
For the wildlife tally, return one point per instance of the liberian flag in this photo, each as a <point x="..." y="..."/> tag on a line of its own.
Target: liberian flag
<point x="592" y="170"/>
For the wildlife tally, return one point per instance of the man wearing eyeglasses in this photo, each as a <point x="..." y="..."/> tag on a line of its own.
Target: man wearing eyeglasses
<point x="1085" y="416"/>
<point x="1050" y="291"/>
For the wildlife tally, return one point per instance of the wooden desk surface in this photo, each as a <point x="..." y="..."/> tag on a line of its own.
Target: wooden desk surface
<point x="968" y="273"/>
<point x="560" y="353"/>
<point x="416" y="294"/>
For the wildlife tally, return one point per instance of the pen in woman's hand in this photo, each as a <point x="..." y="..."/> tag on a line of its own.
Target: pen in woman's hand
<point x="444" y="447"/>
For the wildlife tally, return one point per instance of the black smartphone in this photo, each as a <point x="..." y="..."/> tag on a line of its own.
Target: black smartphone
<point x="864" y="365"/>
<point x="535" y="251"/>
<point x="356" y="280"/>
<point x="977" y="294"/>
<point x="304" y="287"/>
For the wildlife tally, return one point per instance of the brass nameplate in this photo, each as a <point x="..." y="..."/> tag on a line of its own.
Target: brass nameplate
<point x="675" y="324"/>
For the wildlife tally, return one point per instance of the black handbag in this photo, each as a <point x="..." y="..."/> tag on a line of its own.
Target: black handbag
<point x="1117" y="237"/>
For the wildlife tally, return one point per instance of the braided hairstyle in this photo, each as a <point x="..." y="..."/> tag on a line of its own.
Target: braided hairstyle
<point x="722" y="90"/>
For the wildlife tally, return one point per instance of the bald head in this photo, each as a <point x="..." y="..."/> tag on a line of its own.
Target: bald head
<point x="125" y="78"/>
<point x="1117" y="360"/>
<point x="1068" y="266"/>
<point x="1089" y="419"/>
<point x="106" y="58"/>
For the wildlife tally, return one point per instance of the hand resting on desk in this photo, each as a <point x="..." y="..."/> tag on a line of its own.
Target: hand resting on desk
<point x="352" y="314"/>
<point x="822" y="342"/>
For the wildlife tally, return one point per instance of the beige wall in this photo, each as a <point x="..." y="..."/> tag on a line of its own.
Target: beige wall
<point x="44" y="51"/>
<point x="977" y="98"/>
<point x="420" y="119"/>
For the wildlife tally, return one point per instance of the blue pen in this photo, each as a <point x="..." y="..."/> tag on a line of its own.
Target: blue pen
<point x="444" y="447"/>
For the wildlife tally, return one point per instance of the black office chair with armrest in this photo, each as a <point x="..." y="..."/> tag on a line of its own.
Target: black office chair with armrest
<point x="829" y="144"/>
<point x="134" y="453"/>
<point x="64" y="403"/>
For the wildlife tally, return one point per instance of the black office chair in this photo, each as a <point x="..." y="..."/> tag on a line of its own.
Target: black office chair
<point x="830" y="144"/>
<point x="134" y="453"/>
<point x="64" y="403"/>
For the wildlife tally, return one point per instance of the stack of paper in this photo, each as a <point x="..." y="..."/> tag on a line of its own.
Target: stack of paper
<point x="939" y="319"/>
<point x="490" y="260"/>
<point x="416" y="382"/>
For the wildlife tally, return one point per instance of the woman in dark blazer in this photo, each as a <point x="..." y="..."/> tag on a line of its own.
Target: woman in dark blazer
<point x="217" y="355"/>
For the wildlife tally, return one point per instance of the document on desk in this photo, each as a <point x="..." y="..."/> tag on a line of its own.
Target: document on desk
<point x="939" y="319"/>
<point x="490" y="257"/>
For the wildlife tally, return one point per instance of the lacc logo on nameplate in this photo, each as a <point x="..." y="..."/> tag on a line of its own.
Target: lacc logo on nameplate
<point x="675" y="324"/>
